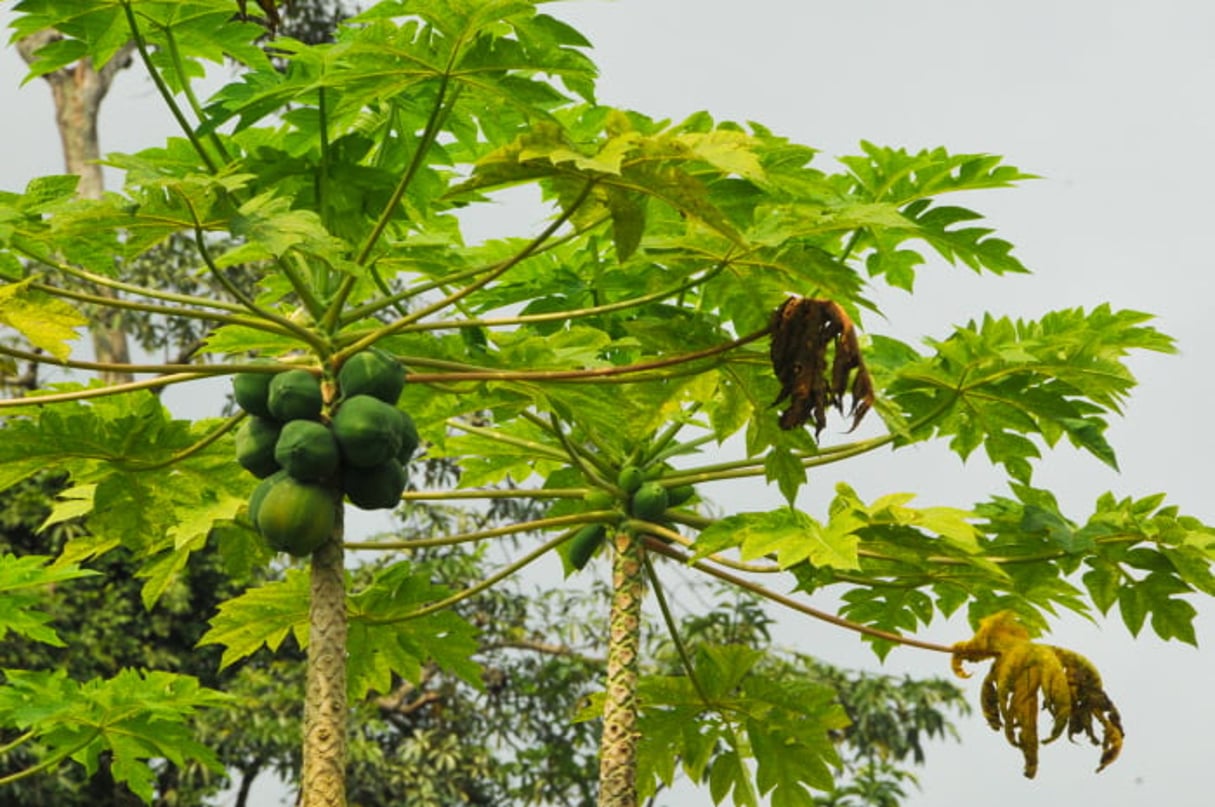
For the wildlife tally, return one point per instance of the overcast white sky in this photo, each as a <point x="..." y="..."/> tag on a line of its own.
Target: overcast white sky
<point x="1111" y="103"/>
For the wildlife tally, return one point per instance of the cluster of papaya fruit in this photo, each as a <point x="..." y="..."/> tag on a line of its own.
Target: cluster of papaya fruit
<point x="308" y="461"/>
<point x="646" y="499"/>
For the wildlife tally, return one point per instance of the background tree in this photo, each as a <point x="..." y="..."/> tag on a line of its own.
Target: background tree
<point x="78" y="89"/>
<point x="635" y="282"/>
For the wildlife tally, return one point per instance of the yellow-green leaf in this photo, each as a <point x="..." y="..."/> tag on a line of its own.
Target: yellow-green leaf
<point x="792" y="536"/>
<point x="47" y="322"/>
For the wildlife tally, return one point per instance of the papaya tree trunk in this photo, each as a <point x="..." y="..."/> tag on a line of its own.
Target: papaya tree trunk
<point x="324" y="764"/>
<point x="78" y="91"/>
<point x="618" y="746"/>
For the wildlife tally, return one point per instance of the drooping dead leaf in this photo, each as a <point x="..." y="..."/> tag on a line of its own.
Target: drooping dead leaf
<point x="804" y="330"/>
<point x="1089" y="703"/>
<point x="1026" y="677"/>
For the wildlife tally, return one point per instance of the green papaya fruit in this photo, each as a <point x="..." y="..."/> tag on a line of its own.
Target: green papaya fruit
<point x="410" y="440"/>
<point x="679" y="494"/>
<point x="368" y="431"/>
<point x="255" y="441"/>
<point x="259" y="493"/>
<point x="630" y="478"/>
<point x="379" y="487"/>
<point x="307" y="450"/>
<point x="584" y="544"/>
<point x="654" y="472"/>
<point x="372" y="372"/>
<point x="296" y="517"/>
<point x="252" y="392"/>
<point x="649" y="502"/>
<point x="599" y="499"/>
<point x="295" y="395"/>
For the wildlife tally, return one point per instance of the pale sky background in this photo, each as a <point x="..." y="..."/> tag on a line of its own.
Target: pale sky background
<point x="1110" y="102"/>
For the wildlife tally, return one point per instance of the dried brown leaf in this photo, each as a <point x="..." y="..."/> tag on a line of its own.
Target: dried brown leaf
<point x="803" y="332"/>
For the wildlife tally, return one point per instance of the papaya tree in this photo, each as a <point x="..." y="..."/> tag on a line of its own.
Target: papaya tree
<point x="692" y="282"/>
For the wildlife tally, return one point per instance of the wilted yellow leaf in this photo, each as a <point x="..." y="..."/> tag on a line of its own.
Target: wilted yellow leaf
<point x="1026" y="677"/>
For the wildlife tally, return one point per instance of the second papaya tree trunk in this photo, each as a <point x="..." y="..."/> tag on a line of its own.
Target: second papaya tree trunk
<point x="618" y="746"/>
<point x="324" y="766"/>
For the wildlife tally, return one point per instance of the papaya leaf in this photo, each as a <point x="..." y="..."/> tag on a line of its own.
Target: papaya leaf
<point x="488" y="457"/>
<point x="44" y="193"/>
<point x="239" y="340"/>
<point x="893" y="610"/>
<point x="973" y="246"/>
<point x="101" y="31"/>
<point x="136" y="716"/>
<point x="680" y="189"/>
<point x="387" y="637"/>
<point x="262" y="615"/>
<point x="138" y="476"/>
<point x="728" y="776"/>
<point x="1171" y="617"/>
<point x="628" y="221"/>
<point x="729" y="407"/>
<point x="671" y="736"/>
<point x="1193" y="565"/>
<point x="730" y="151"/>
<point x="1002" y="383"/>
<point x="791" y="737"/>
<point x="23" y="581"/>
<point x="631" y="165"/>
<point x="786" y="470"/>
<point x="47" y="322"/>
<point x="784" y="221"/>
<point x="785" y="729"/>
<point x="1103" y="582"/>
<point x="905" y="180"/>
<point x="790" y="534"/>
<point x="271" y="228"/>
<point x="897" y="175"/>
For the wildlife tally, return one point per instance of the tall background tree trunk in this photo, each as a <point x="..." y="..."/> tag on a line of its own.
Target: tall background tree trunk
<point x="618" y="747"/>
<point x="78" y="91"/>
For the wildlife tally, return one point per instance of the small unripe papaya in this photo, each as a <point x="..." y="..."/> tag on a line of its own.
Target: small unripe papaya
<point x="307" y="450"/>
<point x="649" y="502"/>
<point x="252" y="392"/>
<point x="584" y="544"/>
<point x="295" y="395"/>
<point x="598" y="499"/>
<point x="630" y="478"/>
<point x="679" y="494"/>
<point x="410" y="439"/>
<point x="375" y="488"/>
<point x="255" y="441"/>
<point x="372" y="372"/>
<point x="368" y="431"/>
